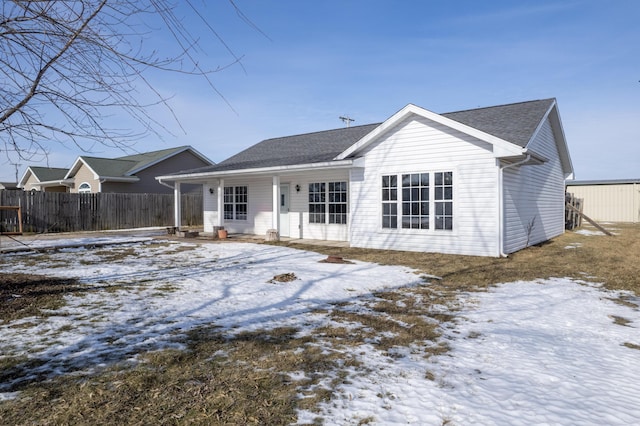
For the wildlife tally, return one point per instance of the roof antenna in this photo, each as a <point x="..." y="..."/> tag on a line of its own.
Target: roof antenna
<point x="346" y="120"/>
<point x="16" y="165"/>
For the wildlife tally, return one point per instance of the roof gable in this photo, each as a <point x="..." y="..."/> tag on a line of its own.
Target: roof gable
<point x="509" y="128"/>
<point x="44" y="174"/>
<point x="101" y="167"/>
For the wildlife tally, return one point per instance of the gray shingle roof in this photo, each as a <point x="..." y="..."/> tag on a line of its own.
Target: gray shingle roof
<point x="515" y="123"/>
<point x="298" y="149"/>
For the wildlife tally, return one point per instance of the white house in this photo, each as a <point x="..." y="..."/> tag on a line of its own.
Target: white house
<point x="485" y="182"/>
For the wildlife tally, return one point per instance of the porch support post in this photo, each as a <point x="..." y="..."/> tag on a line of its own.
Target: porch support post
<point x="177" y="203"/>
<point x="275" y="222"/>
<point x="220" y="221"/>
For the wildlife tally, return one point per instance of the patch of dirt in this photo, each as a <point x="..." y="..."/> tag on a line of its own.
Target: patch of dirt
<point x="336" y="259"/>
<point x="284" y="278"/>
<point x="25" y="295"/>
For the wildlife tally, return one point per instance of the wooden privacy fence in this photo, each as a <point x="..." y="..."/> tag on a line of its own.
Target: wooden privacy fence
<point x="66" y="212"/>
<point x="572" y="211"/>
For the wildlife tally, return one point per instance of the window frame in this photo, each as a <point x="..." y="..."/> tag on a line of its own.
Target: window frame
<point x="337" y="202"/>
<point x="235" y="203"/>
<point x="317" y="203"/>
<point x="84" y="190"/>
<point x="385" y="209"/>
<point x="389" y="201"/>
<point x="416" y="210"/>
<point x="443" y="216"/>
<point x="328" y="202"/>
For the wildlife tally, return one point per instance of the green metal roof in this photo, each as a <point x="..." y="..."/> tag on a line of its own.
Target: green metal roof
<point x="47" y="174"/>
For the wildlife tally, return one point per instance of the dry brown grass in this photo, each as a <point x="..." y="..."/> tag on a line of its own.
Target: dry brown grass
<point x="23" y="295"/>
<point x="237" y="380"/>
<point x="612" y="261"/>
<point x="247" y="378"/>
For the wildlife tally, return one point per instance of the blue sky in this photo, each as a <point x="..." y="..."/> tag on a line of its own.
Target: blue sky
<point x="368" y="59"/>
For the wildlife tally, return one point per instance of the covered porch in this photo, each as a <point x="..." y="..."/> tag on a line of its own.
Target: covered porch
<point x="293" y="202"/>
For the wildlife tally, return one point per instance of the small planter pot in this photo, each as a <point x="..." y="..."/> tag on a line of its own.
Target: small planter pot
<point x="222" y="234"/>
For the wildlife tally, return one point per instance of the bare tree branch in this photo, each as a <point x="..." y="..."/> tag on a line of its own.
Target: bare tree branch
<point x="69" y="65"/>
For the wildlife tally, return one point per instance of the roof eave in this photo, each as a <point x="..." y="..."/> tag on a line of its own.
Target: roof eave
<point x="563" y="149"/>
<point x="561" y="141"/>
<point x="125" y="179"/>
<point x="25" y="176"/>
<point x="531" y="157"/>
<point x="327" y="165"/>
<point x="49" y="183"/>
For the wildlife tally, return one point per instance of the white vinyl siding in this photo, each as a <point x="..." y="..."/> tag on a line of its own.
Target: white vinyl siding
<point x="416" y="145"/>
<point x="210" y="206"/>
<point x="534" y="196"/>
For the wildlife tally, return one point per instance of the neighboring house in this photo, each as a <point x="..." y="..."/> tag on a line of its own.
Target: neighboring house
<point x="131" y="173"/>
<point x="8" y="185"/>
<point x="485" y="182"/>
<point x="49" y="179"/>
<point x="608" y="200"/>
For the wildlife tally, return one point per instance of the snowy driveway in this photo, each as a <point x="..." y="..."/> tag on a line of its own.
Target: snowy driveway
<point x="544" y="352"/>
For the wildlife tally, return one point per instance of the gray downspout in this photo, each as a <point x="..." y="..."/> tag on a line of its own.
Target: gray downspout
<point x="165" y="184"/>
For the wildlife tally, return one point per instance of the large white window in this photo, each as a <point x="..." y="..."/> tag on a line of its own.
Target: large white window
<point x="235" y="202"/>
<point x="415" y="201"/>
<point x="390" y="201"/>
<point x="317" y="202"/>
<point x="338" y="202"/>
<point x="443" y="197"/>
<point x="421" y="195"/>
<point x="328" y="202"/>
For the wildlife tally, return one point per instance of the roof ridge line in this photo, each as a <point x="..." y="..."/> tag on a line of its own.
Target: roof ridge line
<point x="321" y="131"/>
<point x="497" y="106"/>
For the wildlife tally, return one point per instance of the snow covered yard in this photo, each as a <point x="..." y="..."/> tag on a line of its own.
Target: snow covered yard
<point x="553" y="351"/>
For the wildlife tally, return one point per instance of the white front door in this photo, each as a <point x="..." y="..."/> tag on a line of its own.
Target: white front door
<point x="284" y="210"/>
